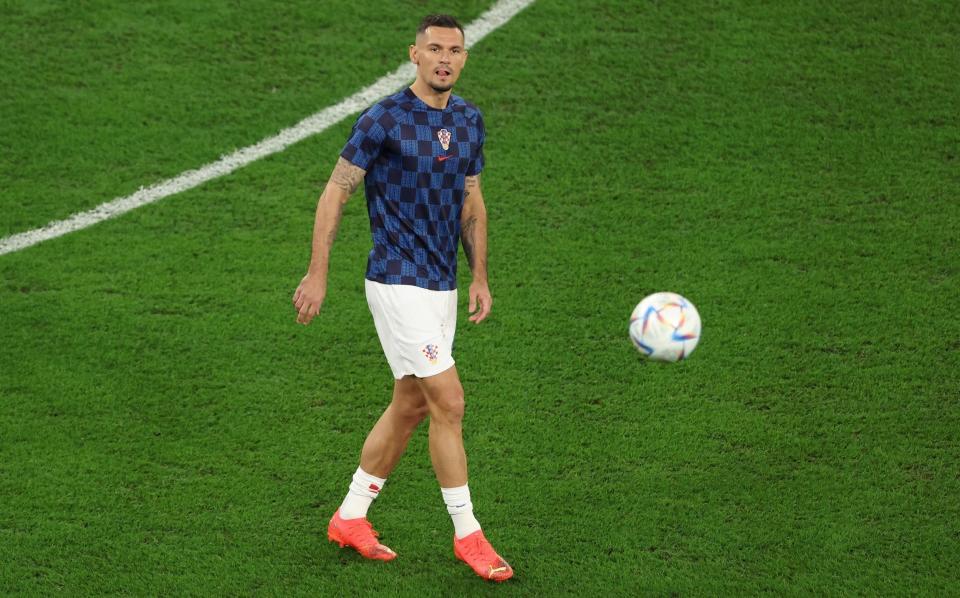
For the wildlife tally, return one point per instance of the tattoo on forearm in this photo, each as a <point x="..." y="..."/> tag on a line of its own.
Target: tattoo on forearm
<point x="469" y="225"/>
<point x="347" y="176"/>
<point x="468" y="228"/>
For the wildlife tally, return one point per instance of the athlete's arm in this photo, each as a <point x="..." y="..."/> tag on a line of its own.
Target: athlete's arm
<point x="310" y="293"/>
<point x="473" y="234"/>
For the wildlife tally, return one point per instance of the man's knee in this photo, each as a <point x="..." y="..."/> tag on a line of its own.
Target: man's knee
<point x="414" y="413"/>
<point x="448" y="408"/>
<point x="410" y="405"/>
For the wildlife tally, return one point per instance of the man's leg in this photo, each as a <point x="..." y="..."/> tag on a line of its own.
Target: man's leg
<point x="388" y="439"/>
<point x="444" y="398"/>
<point x="382" y="450"/>
<point x="444" y="395"/>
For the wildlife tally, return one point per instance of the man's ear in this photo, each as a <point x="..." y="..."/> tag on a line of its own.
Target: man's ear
<point x="413" y="54"/>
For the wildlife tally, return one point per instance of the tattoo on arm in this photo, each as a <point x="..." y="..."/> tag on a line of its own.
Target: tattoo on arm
<point x="467" y="229"/>
<point x="471" y="183"/>
<point x="347" y="176"/>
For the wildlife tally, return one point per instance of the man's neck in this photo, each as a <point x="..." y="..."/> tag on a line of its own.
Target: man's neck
<point x="430" y="96"/>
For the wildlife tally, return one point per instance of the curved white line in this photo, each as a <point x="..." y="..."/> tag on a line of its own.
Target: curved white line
<point x="497" y="15"/>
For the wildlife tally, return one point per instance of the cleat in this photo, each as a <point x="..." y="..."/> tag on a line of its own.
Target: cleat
<point x="359" y="535"/>
<point x="476" y="551"/>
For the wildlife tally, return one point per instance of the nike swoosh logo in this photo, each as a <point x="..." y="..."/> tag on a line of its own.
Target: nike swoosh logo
<point x="442" y="158"/>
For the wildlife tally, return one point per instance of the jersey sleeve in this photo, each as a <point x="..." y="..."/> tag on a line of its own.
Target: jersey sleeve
<point x="366" y="138"/>
<point x="476" y="164"/>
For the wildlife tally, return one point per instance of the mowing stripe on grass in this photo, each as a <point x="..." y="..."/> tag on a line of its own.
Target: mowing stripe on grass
<point x="499" y="14"/>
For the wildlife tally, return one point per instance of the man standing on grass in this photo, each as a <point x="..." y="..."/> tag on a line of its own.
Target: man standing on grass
<point x="419" y="153"/>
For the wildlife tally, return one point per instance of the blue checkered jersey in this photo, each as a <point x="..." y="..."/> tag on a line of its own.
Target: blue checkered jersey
<point x="416" y="158"/>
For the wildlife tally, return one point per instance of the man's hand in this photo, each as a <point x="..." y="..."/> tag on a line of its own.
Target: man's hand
<point x="308" y="298"/>
<point x="480" y="301"/>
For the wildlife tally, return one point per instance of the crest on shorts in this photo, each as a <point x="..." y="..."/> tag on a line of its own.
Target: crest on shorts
<point x="431" y="352"/>
<point x="444" y="136"/>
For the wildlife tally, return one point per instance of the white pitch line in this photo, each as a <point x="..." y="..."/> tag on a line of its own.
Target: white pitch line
<point x="499" y="14"/>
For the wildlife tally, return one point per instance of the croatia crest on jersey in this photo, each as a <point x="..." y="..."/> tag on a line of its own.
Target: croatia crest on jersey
<point x="444" y="136"/>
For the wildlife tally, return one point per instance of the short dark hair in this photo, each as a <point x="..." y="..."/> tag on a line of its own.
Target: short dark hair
<point x="439" y="21"/>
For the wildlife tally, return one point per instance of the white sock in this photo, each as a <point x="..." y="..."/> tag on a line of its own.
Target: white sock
<point x="363" y="489"/>
<point x="461" y="510"/>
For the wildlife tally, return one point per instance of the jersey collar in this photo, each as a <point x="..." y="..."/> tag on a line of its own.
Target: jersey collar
<point x="454" y="104"/>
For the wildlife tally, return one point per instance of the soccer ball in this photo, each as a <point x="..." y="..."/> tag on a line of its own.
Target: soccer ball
<point x="665" y="327"/>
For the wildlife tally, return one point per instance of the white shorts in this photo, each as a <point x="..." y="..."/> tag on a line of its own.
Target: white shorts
<point x="416" y="327"/>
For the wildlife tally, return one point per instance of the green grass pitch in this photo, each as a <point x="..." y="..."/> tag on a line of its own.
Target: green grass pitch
<point x="790" y="167"/>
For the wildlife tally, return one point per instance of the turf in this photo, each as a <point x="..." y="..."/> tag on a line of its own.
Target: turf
<point x="165" y="427"/>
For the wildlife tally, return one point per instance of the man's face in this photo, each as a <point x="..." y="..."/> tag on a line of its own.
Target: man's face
<point x="439" y="55"/>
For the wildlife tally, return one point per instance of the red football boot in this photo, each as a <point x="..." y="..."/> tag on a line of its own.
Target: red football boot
<point x="475" y="551"/>
<point x="360" y="535"/>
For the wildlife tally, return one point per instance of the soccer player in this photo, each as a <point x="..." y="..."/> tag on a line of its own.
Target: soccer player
<point x="419" y="153"/>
